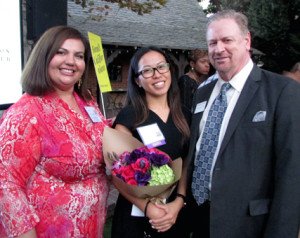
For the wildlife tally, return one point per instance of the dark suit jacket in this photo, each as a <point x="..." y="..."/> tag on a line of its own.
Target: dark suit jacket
<point x="256" y="179"/>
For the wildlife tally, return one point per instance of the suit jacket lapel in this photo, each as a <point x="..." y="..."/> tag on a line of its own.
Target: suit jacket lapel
<point x="245" y="98"/>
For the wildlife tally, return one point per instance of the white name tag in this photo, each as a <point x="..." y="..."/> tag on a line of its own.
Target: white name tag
<point x="151" y="135"/>
<point x="200" y="107"/>
<point x="93" y="114"/>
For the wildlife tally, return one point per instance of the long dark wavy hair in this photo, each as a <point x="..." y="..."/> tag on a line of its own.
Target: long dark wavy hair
<point x="35" y="78"/>
<point x="136" y="95"/>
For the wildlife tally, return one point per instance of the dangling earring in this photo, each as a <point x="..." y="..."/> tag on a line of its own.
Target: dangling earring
<point x="79" y="83"/>
<point x="192" y="68"/>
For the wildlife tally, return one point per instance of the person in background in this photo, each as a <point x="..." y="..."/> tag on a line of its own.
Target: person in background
<point x="198" y="73"/>
<point x="243" y="161"/>
<point x="153" y="98"/>
<point x="52" y="176"/>
<point x="294" y="73"/>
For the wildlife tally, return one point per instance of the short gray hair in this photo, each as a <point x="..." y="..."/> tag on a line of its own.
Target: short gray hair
<point x="240" y="19"/>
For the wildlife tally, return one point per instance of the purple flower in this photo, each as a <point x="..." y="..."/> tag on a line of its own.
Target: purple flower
<point x="134" y="155"/>
<point x="142" y="178"/>
<point x="159" y="159"/>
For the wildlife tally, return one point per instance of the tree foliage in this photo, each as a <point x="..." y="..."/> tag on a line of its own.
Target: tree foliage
<point x="275" y="28"/>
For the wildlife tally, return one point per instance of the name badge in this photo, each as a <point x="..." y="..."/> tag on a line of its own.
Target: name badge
<point x="93" y="114"/>
<point x="151" y="135"/>
<point x="200" y="107"/>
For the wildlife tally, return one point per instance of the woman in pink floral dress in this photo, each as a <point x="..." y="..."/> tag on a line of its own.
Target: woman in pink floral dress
<point x="52" y="176"/>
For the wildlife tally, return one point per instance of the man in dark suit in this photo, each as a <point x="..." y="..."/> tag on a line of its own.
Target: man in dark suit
<point x="253" y="186"/>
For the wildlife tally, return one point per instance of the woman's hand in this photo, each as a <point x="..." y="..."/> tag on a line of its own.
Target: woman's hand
<point x="154" y="212"/>
<point x="171" y="211"/>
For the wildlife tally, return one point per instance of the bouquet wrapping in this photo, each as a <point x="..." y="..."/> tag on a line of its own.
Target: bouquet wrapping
<point x="139" y="171"/>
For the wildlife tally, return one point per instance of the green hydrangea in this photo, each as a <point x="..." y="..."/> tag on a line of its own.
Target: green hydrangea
<point x="161" y="175"/>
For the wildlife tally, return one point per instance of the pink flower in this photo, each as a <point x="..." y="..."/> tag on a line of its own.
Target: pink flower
<point x="142" y="165"/>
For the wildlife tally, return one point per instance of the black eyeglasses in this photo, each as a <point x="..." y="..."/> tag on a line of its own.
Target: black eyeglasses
<point x="148" y="72"/>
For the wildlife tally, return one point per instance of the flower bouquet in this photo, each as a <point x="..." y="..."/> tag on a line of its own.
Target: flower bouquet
<point x="140" y="171"/>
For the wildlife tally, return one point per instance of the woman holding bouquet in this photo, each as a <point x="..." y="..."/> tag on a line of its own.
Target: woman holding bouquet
<point x="52" y="177"/>
<point x="153" y="98"/>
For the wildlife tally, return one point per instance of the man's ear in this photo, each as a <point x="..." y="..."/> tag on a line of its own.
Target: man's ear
<point x="248" y="41"/>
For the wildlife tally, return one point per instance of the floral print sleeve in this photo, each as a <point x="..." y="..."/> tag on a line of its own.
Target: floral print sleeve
<point x="19" y="153"/>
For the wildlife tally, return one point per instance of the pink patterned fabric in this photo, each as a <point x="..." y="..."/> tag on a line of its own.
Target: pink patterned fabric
<point x="52" y="175"/>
